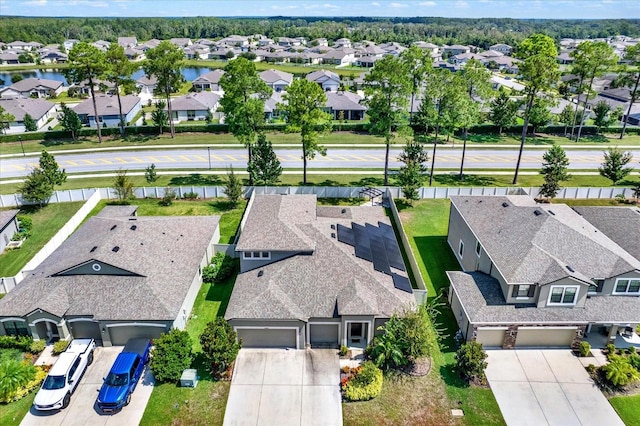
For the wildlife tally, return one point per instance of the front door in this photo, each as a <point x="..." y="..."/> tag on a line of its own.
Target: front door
<point x="52" y="331"/>
<point x="356" y="334"/>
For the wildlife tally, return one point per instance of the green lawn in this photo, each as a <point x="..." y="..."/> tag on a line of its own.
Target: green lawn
<point x="13" y="413"/>
<point x="628" y="407"/>
<point x="172" y="405"/>
<point x="46" y="222"/>
<point x="426" y="226"/>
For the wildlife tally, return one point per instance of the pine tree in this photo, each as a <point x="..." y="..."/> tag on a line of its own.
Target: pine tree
<point x="150" y="173"/>
<point x="503" y="111"/>
<point x="264" y="166"/>
<point x="232" y="188"/>
<point x="613" y="166"/>
<point x="411" y="174"/>
<point x="554" y="170"/>
<point x="70" y="121"/>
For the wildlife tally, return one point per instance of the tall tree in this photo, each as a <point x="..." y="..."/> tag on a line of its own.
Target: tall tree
<point x="264" y="166"/>
<point x="52" y="171"/>
<point x="565" y="117"/>
<point x="411" y="174"/>
<point x="387" y="88"/>
<point x="554" y="170"/>
<point x="539" y="115"/>
<point x="243" y="102"/>
<point x="614" y="165"/>
<point x="477" y="80"/>
<point x="419" y="63"/>
<point x="631" y="79"/>
<point x="29" y="123"/>
<point x="597" y="57"/>
<point x="503" y="111"/>
<point x="443" y="93"/>
<point x="118" y="71"/>
<point x="159" y="116"/>
<point x="6" y="119"/>
<point x="539" y="71"/>
<point x="70" y="121"/>
<point x="165" y="62"/>
<point x="303" y="107"/>
<point x="601" y="115"/>
<point x="232" y="188"/>
<point x="87" y="62"/>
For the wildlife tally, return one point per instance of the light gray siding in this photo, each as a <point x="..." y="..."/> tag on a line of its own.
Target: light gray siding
<point x="275" y="256"/>
<point x="7" y="233"/>
<point x="581" y="296"/>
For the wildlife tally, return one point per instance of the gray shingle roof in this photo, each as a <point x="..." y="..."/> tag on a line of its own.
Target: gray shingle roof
<point x="195" y="101"/>
<point x="322" y="74"/>
<point x="107" y="105"/>
<point x="344" y="101"/>
<point x="210" y="77"/>
<point x="31" y="83"/>
<point x="19" y="107"/>
<point x="164" y="252"/>
<point x="621" y="224"/>
<point x="312" y="285"/>
<point x="118" y="211"/>
<point x="484" y="303"/>
<point x="7" y="216"/>
<point x="271" y="76"/>
<point x="530" y="248"/>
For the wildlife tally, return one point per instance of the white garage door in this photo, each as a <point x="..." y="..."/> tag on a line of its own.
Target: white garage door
<point x="544" y="337"/>
<point x="267" y="337"/>
<point x="324" y="335"/>
<point x="490" y="337"/>
<point x="120" y="335"/>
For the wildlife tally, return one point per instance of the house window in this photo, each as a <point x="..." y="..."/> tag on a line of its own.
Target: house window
<point x="16" y="328"/>
<point x="596" y="287"/>
<point x="627" y="286"/>
<point x="478" y="248"/>
<point x="561" y="295"/>
<point x="523" y="291"/>
<point x="191" y="115"/>
<point x="460" y="249"/>
<point x="256" y="255"/>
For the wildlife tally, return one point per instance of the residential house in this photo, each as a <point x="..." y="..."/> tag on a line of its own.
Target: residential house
<point x="9" y="58"/>
<point x="146" y="86"/>
<point x="234" y="40"/>
<point x="127" y="42"/>
<point x="103" y="45"/>
<point x="19" y="45"/>
<point x="456" y="49"/>
<point x="538" y="274"/>
<point x="265" y="42"/>
<point x="277" y="80"/>
<point x="209" y="81"/>
<point x="463" y="58"/>
<point x="108" y="111"/>
<point x="345" y="106"/>
<point x="117" y="277"/>
<point x="33" y="88"/>
<point x="40" y="110"/>
<point x="99" y="86"/>
<point x="306" y="57"/>
<point x="367" y="61"/>
<point x="134" y="54"/>
<point x="564" y="58"/>
<point x="505" y="49"/>
<point x="292" y="42"/>
<point x="320" y="42"/>
<point x="427" y="46"/>
<point x="302" y="284"/>
<point x="342" y="43"/>
<point x="340" y="57"/>
<point x="149" y="44"/>
<point x="196" y="52"/>
<point x="505" y="64"/>
<point x="53" y="57"/>
<point x="68" y="44"/>
<point x="8" y="226"/>
<point x="272" y="109"/>
<point x="498" y="82"/>
<point x="328" y="80"/>
<point x="181" y="42"/>
<point x="194" y="106"/>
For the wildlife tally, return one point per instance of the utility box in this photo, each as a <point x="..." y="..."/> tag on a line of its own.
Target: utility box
<point x="189" y="378"/>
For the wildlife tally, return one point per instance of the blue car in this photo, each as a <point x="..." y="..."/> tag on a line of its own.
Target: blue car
<point x="124" y="375"/>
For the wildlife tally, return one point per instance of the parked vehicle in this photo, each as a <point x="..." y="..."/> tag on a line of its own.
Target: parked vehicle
<point x="123" y="377"/>
<point x="64" y="376"/>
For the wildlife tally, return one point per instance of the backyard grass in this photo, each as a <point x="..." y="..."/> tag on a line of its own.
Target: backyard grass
<point x="47" y="221"/>
<point x="13" y="413"/>
<point x="628" y="408"/>
<point x="426" y="225"/>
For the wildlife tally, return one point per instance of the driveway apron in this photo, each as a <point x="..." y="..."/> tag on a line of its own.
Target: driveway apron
<point x="546" y="387"/>
<point x="285" y="387"/>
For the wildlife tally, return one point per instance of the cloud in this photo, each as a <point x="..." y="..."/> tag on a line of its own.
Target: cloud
<point x="398" y="5"/>
<point x="427" y="3"/>
<point x="330" y="6"/>
<point x="375" y="3"/>
<point x="274" y="7"/>
<point x="461" y="5"/>
<point x="35" y="3"/>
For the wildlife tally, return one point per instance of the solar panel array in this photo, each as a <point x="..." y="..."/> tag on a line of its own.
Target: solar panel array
<point x="376" y="244"/>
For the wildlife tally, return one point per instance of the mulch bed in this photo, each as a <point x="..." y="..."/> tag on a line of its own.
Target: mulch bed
<point x="418" y="368"/>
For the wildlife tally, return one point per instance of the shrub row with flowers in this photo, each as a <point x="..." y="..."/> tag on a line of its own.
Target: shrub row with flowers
<point x="361" y="383"/>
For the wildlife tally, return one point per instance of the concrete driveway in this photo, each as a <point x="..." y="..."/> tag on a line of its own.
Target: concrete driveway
<point x="546" y="387"/>
<point x="82" y="409"/>
<point x="285" y="387"/>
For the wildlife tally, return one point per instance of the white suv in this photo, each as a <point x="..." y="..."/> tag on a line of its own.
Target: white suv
<point x="64" y="376"/>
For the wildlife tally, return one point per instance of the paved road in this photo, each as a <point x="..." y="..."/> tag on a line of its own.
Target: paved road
<point x="290" y="158"/>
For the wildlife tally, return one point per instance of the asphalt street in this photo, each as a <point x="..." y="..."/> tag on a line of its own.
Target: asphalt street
<point x="336" y="158"/>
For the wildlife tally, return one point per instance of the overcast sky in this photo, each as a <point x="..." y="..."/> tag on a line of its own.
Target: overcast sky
<point x="590" y="9"/>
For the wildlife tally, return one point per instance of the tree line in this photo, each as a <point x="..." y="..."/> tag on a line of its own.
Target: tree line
<point x="478" y="32"/>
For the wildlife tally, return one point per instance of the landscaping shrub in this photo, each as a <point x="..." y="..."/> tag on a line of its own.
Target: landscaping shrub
<point x="365" y="385"/>
<point x="470" y="358"/>
<point x="60" y="346"/>
<point x="634" y="360"/>
<point x="343" y="351"/>
<point x="611" y="349"/>
<point x="16" y="342"/>
<point x="37" y="346"/>
<point x="190" y="196"/>
<point x="219" y="346"/>
<point x="171" y="355"/>
<point x="33" y="384"/>
<point x="584" y="349"/>
<point x="619" y="371"/>
<point x="13" y="376"/>
<point x="221" y="268"/>
<point x="167" y="199"/>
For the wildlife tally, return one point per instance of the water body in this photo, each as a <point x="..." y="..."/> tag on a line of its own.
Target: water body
<point x="189" y="74"/>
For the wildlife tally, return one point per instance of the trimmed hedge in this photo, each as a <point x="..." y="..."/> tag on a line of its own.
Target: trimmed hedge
<point x="16" y="342"/>
<point x="366" y="385"/>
